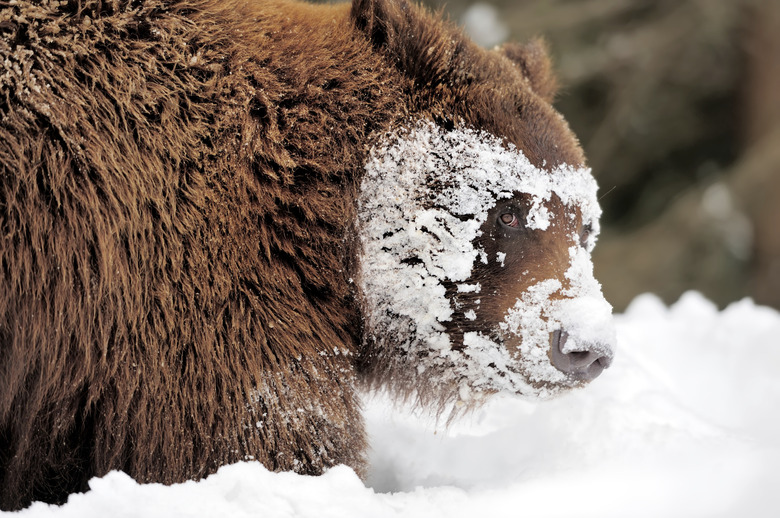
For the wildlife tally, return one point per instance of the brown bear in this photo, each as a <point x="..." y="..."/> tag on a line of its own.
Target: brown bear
<point x="219" y="218"/>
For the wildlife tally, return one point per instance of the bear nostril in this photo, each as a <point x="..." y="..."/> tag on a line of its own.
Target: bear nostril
<point x="579" y="357"/>
<point x="582" y="365"/>
<point x="604" y="361"/>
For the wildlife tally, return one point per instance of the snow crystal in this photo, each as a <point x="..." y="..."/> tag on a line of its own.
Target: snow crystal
<point x="469" y="288"/>
<point x="424" y="198"/>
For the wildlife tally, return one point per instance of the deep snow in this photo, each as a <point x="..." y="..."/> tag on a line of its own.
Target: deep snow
<point x="685" y="423"/>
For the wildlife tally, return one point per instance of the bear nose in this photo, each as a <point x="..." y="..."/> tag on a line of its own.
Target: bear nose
<point x="583" y="364"/>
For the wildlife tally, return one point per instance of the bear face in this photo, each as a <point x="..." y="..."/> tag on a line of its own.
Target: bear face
<point x="476" y="267"/>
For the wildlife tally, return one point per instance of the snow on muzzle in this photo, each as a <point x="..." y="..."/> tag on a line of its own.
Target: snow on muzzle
<point x="566" y="334"/>
<point x="584" y="345"/>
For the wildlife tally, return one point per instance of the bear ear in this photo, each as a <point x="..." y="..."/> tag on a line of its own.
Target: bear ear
<point x="534" y="62"/>
<point x="384" y="21"/>
<point x="423" y="46"/>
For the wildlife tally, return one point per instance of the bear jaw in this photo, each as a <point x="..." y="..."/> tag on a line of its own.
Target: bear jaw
<point x="424" y="197"/>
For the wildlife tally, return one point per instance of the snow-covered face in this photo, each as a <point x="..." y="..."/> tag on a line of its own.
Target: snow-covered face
<point x="475" y="265"/>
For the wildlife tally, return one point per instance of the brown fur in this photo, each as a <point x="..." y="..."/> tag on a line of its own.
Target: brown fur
<point x="177" y="187"/>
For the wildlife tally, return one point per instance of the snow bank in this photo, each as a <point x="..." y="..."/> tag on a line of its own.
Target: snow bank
<point x="685" y="423"/>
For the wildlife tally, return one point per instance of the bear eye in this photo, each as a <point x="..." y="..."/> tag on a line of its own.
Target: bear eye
<point x="509" y="219"/>
<point x="585" y="234"/>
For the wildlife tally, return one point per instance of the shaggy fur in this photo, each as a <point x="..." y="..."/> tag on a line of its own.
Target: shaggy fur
<point x="177" y="186"/>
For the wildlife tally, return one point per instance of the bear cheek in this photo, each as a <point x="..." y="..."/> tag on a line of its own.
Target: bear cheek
<point x="518" y="260"/>
<point x="513" y="266"/>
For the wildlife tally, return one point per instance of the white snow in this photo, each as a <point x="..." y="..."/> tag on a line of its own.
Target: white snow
<point x="684" y="424"/>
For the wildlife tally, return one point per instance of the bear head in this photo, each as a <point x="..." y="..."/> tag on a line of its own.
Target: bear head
<point x="476" y="219"/>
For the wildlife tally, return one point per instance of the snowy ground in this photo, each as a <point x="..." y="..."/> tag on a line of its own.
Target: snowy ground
<point x="685" y="423"/>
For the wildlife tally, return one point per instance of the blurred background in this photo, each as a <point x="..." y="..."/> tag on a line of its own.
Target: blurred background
<point x="677" y="105"/>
